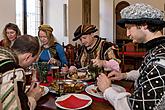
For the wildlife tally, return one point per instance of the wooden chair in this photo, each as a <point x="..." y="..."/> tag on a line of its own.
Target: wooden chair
<point x="70" y="51"/>
<point x="130" y="57"/>
<point x="129" y="47"/>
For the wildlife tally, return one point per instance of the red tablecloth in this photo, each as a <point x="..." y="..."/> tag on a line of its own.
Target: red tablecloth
<point x="50" y="80"/>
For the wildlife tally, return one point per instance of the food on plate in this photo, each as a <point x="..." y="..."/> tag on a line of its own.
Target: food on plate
<point x="79" y="87"/>
<point x="94" y="90"/>
<point x="68" y="86"/>
<point x="98" y="89"/>
<point x="42" y="89"/>
<point x="78" y="75"/>
<point x="74" y="76"/>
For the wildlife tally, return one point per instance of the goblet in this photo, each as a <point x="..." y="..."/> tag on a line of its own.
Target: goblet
<point x="43" y="70"/>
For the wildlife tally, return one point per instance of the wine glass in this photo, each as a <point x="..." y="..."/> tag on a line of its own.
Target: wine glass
<point x="107" y="70"/>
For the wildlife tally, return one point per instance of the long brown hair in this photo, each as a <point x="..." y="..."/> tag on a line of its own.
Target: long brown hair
<point x="48" y="30"/>
<point x="7" y="42"/>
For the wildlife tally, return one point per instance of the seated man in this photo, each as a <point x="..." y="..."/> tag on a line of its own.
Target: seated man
<point x="144" y="25"/>
<point x="95" y="50"/>
<point x="12" y="75"/>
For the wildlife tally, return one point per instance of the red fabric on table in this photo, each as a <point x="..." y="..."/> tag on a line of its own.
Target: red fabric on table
<point x="73" y="102"/>
<point x="49" y="79"/>
<point x="133" y="54"/>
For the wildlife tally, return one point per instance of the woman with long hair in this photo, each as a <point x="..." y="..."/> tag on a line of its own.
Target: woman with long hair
<point x="10" y="33"/>
<point x="51" y="51"/>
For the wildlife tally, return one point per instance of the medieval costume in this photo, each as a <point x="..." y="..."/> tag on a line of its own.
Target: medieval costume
<point x="102" y="49"/>
<point x="150" y="77"/>
<point x="12" y="81"/>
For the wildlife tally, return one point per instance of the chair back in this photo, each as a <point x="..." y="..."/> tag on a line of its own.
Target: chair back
<point x="70" y="51"/>
<point x="130" y="47"/>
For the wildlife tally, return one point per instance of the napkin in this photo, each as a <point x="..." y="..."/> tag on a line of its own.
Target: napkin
<point x="73" y="102"/>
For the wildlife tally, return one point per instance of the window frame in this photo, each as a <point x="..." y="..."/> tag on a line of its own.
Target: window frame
<point x="25" y="15"/>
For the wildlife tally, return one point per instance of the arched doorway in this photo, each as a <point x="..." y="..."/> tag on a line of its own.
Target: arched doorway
<point x="120" y="32"/>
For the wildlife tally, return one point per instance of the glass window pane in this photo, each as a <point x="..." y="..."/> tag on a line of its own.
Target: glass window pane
<point x="33" y="16"/>
<point x="19" y="14"/>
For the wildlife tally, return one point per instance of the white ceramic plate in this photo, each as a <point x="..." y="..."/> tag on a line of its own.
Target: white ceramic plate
<point x="92" y="90"/>
<point x="46" y="89"/>
<point x="80" y="96"/>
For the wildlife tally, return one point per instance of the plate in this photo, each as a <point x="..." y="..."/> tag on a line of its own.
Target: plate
<point x="73" y="101"/>
<point x="92" y="90"/>
<point x="46" y="89"/>
<point x="79" y="74"/>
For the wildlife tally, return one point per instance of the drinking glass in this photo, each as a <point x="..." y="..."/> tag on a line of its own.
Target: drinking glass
<point x="55" y="70"/>
<point x="107" y="71"/>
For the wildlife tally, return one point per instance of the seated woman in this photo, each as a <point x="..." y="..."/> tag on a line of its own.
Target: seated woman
<point x="51" y="51"/>
<point x="10" y="33"/>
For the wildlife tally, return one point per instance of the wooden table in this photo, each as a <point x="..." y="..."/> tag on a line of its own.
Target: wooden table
<point x="47" y="102"/>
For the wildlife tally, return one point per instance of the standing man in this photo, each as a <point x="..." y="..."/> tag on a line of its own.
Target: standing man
<point x="144" y="24"/>
<point x="23" y="53"/>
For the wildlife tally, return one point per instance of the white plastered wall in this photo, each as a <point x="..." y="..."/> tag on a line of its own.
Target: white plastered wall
<point x="7" y="13"/>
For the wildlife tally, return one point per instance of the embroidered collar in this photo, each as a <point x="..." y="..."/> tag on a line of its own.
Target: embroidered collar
<point x="154" y="42"/>
<point x="95" y="46"/>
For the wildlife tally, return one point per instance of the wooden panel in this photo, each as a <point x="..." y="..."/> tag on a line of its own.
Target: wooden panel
<point x="86" y="11"/>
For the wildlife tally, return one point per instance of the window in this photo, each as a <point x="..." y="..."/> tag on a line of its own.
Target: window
<point x="29" y="15"/>
<point x="19" y="14"/>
